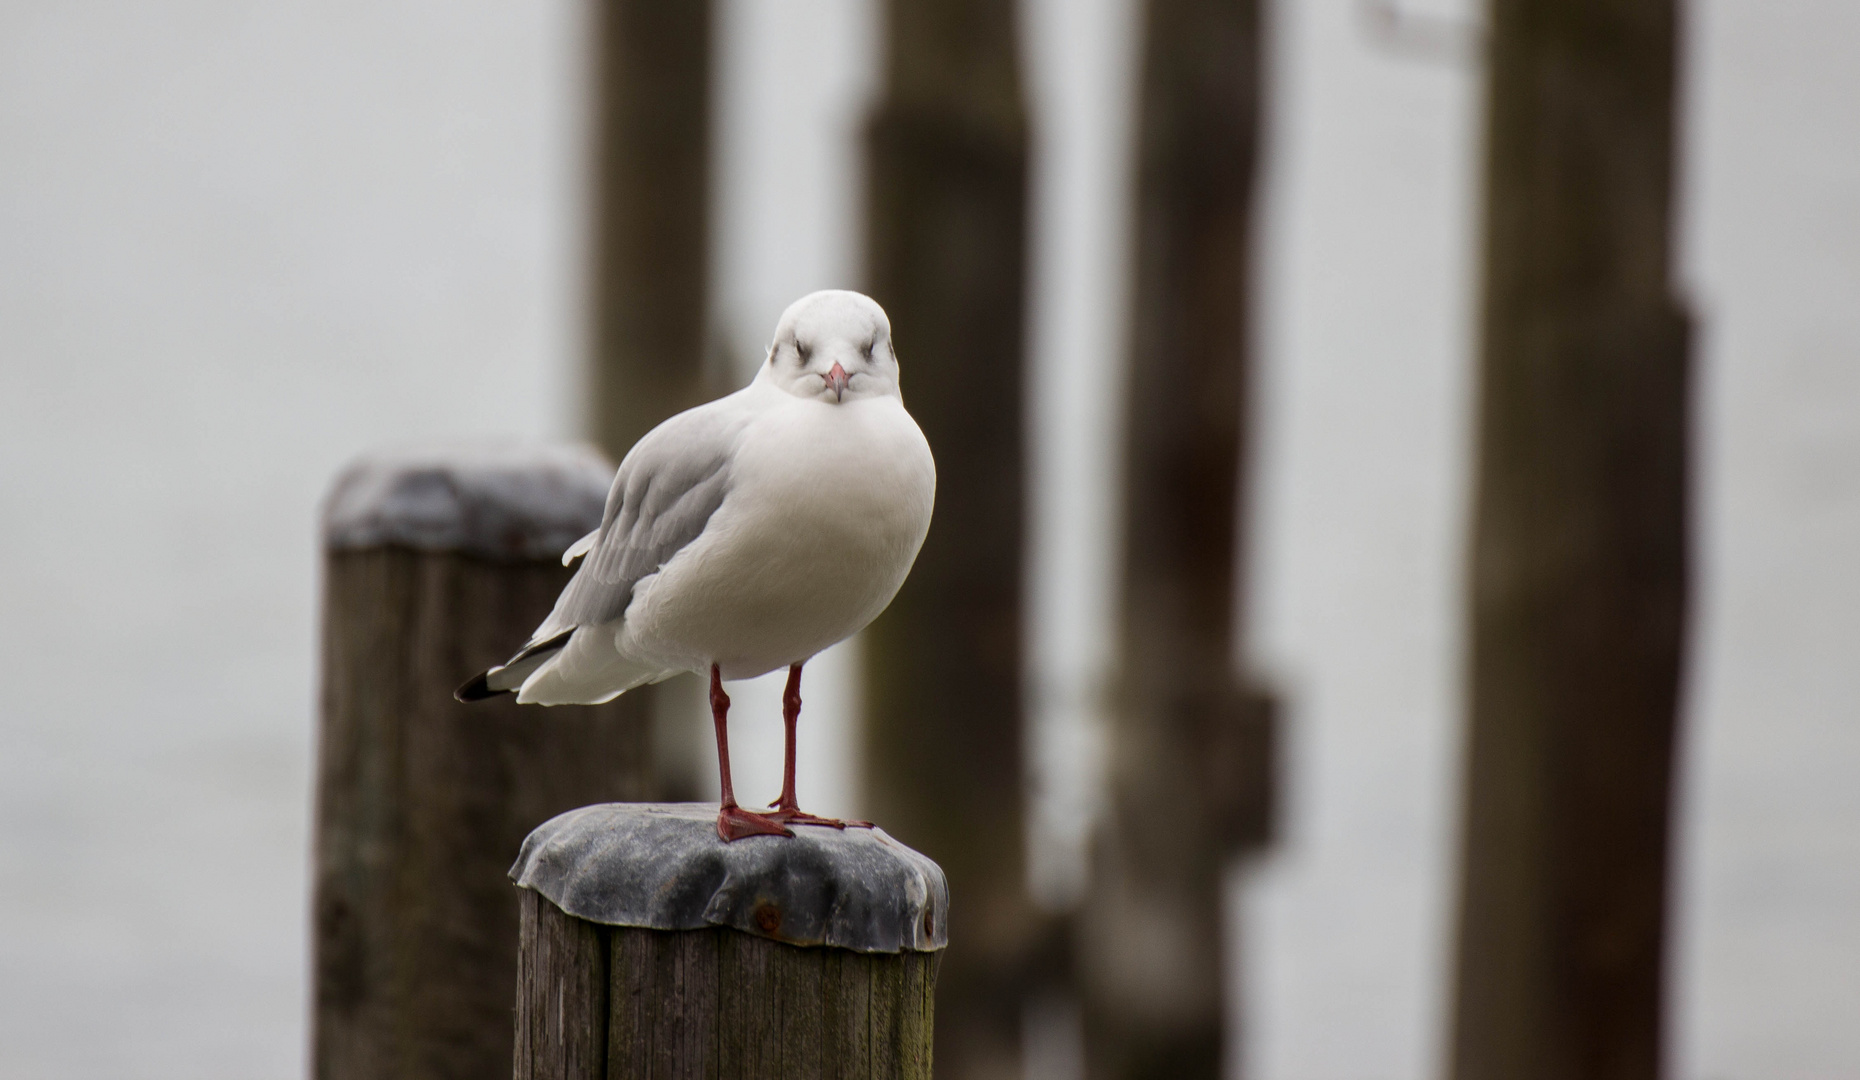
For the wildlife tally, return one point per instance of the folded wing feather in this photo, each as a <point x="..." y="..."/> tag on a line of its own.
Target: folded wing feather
<point x="666" y="491"/>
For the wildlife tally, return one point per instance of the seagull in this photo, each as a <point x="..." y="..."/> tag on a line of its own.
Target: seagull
<point x="745" y="535"/>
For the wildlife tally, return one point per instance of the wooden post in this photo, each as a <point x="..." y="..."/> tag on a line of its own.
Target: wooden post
<point x="651" y="213"/>
<point x="1191" y="750"/>
<point x="436" y="565"/>
<point x="652" y="950"/>
<point x="947" y="193"/>
<point x="1578" y="589"/>
<point x="651" y="257"/>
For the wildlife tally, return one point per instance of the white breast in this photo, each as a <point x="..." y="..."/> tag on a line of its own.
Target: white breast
<point x="827" y="508"/>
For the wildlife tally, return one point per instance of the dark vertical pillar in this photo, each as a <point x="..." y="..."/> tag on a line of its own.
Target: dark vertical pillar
<point x="1190" y="758"/>
<point x="652" y="205"/>
<point x="947" y="191"/>
<point x="1578" y="552"/>
<point x="651" y="247"/>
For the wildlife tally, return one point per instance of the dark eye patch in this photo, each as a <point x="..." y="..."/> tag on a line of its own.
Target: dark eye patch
<point x="803" y="351"/>
<point x="866" y="349"/>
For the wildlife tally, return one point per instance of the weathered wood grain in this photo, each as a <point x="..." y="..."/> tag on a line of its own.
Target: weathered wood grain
<point x="562" y="1015"/>
<point x="714" y="1004"/>
<point x="422" y="802"/>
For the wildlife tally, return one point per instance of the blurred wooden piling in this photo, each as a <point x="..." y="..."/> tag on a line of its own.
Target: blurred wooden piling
<point x="1191" y="753"/>
<point x="1579" y="566"/>
<point x="652" y="950"/>
<point x="435" y="566"/>
<point x="651" y="143"/>
<point x="651" y="211"/>
<point x="946" y="250"/>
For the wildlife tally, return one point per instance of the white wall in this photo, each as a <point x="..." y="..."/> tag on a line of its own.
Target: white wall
<point x="238" y="244"/>
<point x="1769" y="956"/>
<point x="1364" y="352"/>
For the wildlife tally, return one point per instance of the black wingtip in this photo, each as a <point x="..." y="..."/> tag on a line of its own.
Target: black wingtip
<point x="477" y="688"/>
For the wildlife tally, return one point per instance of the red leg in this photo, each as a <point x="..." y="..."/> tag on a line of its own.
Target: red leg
<point x="733" y="822"/>
<point x="790" y="715"/>
<point x="786" y="809"/>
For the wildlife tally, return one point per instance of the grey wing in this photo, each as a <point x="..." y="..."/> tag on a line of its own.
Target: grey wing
<point x="668" y="487"/>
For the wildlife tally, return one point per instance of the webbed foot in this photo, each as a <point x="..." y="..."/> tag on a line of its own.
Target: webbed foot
<point x="734" y="823"/>
<point x="802" y="817"/>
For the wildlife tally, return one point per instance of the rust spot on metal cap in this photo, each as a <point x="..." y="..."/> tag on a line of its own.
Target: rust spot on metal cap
<point x="768" y="917"/>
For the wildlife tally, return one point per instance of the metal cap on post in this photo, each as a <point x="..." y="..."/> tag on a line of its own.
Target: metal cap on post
<point x="438" y="561"/>
<point x="508" y="502"/>
<point x="652" y="948"/>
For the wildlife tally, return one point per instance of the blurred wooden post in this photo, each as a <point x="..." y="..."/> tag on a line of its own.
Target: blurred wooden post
<point x="947" y="192"/>
<point x="1191" y="750"/>
<point x="1578" y="591"/>
<point x="435" y="566"/>
<point x="651" y="186"/>
<point x="652" y="950"/>
<point x="652" y="205"/>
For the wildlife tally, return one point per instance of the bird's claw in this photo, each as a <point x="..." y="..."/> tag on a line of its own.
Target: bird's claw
<point x="802" y="817"/>
<point x="734" y="823"/>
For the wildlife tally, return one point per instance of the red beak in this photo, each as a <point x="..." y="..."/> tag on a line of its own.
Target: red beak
<point x="837" y="380"/>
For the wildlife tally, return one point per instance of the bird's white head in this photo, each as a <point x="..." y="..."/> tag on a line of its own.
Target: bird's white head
<point x="833" y="346"/>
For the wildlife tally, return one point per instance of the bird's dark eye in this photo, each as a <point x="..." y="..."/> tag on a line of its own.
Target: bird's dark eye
<point x="802" y="351"/>
<point x="866" y="349"/>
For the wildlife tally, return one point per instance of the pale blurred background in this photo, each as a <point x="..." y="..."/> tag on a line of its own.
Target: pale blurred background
<point x="240" y="244"/>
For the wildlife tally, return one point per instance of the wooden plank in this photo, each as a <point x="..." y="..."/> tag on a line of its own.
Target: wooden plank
<point x="699" y="962"/>
<point x="630" y="1016"/>
<point x="562" y="1003"/>
<point x="732" y="990"/>
<point x="759" y="1005"/>
<point x="885" y="1007"/>
<point x="1579" y="562"/>
<point x="670" y="1011"/>
<point x="802" y="992"/>
<point x="849" y="1015"/>
<point x="524" y="1052"/>
<point x="916" y="1028"/>
<point x="715" y="1004"/>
